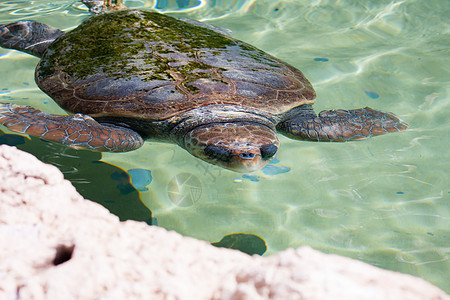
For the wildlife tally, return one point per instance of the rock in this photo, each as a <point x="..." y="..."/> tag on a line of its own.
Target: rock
<point x="56" y="245"/>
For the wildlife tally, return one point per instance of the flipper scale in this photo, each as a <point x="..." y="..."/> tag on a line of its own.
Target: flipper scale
<point x="340" y="125"/>
<point x="77" y="131"/>
<point x="28" y="36"/>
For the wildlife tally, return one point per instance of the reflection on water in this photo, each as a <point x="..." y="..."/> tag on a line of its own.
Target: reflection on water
<point x="384" y="201"/>
<point x="96" y="180"/>
<point x="247" y="243"/>
<point x="140" y="178"/>
<point x="184" y="189"/>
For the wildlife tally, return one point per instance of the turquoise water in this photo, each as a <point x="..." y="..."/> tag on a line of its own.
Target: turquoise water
<point x="383" y="201"/>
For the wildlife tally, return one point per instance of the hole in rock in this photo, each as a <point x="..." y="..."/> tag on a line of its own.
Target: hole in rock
<point x="63" y="254"/>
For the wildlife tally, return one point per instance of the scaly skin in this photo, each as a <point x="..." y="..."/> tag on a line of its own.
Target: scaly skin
<point x="76" y="131"/>
<point x="28" y="36"/>
<point x="340" y="125"/>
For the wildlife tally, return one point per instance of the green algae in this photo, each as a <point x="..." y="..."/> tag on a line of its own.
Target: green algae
<point x="146" y="44"/>
<point x="111" y="43"/>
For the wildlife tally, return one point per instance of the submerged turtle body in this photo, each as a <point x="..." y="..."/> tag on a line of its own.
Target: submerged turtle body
<point x="151" y="66"/>
<point x="132" y="75"/>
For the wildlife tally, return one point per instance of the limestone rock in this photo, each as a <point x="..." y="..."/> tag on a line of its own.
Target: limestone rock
<point x="56" y="245"/>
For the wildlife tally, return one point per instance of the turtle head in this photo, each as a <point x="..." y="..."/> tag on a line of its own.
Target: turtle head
<point x="238" y="146"/>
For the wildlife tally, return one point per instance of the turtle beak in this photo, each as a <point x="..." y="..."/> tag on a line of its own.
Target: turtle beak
<point x="240" y="160"/>
<point x="266" y="152"/>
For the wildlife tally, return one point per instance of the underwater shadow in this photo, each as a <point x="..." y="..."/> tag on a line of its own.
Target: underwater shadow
<point x="95" y="180"/>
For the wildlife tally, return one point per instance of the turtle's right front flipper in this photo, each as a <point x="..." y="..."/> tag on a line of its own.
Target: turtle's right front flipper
<point x="28" y="36"/>
<point x="76" y="131"/>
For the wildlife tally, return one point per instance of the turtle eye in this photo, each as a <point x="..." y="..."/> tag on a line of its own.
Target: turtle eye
<point x="219" y="153"/>
<point x="267" y="151"/>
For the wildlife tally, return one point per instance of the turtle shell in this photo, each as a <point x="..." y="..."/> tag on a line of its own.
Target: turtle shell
<point x="143" y="64"/>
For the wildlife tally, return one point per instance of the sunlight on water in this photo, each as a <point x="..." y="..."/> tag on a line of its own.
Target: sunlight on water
<point x="383" y="201"/>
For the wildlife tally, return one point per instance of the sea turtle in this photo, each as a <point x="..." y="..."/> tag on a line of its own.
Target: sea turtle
<point x="130" y="75"/>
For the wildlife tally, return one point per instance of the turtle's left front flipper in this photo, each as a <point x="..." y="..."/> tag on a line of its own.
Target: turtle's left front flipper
<point x="340" y="125"/>
<point x="28" y="36"/>
<point x="76" y="131"/>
